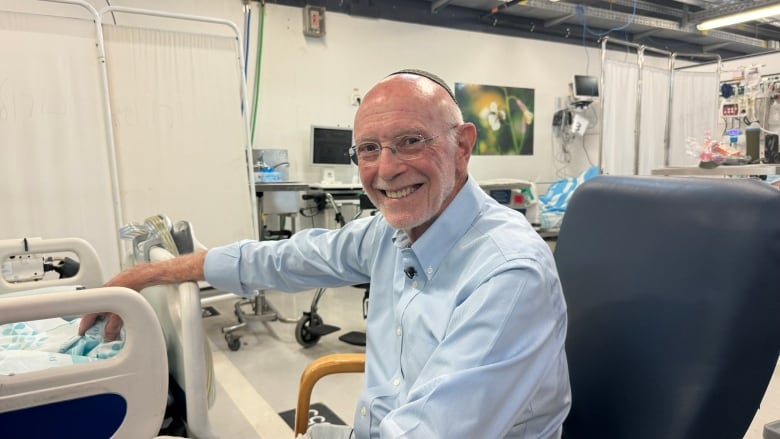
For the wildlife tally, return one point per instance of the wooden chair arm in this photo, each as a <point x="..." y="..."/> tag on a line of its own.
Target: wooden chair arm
<point x="326" y="365"/>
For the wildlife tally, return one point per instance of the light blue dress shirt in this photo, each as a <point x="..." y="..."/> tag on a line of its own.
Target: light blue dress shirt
<point x="471" y="346"/>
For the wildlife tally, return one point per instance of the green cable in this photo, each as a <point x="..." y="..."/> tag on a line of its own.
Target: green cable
<point x="256" y="91"/>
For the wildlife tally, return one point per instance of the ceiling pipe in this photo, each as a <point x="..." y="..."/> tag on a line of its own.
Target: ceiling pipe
<point x="559" y="20"/>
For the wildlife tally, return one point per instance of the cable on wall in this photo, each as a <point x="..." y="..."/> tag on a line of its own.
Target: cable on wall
<point x="258" y="59"/>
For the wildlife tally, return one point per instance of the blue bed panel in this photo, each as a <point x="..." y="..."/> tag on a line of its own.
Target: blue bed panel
<point x="90" y="417"/>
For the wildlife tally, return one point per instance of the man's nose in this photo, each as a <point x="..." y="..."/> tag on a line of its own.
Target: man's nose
<point x="389" y="164"/>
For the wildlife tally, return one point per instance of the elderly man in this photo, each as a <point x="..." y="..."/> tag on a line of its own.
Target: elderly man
<point x="467" y="321"/>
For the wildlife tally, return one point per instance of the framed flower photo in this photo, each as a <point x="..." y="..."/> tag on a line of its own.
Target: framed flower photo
<point x="504" y="117"/>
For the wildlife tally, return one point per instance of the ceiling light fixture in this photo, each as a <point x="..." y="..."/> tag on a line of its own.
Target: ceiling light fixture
<point x="740" y="17"/>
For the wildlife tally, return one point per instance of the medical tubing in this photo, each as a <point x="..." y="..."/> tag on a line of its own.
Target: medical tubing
<point x="247" y="28"/>
<point x="258" y="59"/>
<point x="162" y="228"/>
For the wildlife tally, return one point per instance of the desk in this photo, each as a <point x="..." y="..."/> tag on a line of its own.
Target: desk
<point x="335" y="187"/>
<point x="720" y="171"/>
<point x="286" y="196"/>
<point x="342" y="193"/>
<point x="281" y="186"/>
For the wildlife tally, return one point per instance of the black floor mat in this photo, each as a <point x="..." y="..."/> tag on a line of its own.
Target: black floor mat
<point x="318" y="413"/>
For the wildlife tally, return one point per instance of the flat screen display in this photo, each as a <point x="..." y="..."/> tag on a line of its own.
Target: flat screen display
<point x="586" y="87"/>
<point x="330" y="146"/>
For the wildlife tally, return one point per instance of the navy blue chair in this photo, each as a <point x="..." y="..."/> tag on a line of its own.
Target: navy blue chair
<point x="674" y="305"/>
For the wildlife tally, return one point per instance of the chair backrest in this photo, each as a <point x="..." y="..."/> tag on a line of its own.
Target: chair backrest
<point x="674" y="308"/>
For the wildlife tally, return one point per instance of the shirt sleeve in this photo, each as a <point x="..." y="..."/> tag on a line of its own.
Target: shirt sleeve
<point x="500" y="368"/>
<point x="309" y="259"/>
<point x="220" y="267"/>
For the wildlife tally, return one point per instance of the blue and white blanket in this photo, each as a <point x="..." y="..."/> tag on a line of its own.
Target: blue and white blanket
<point x="554" y="202"/>
<point x="41" y="344"/>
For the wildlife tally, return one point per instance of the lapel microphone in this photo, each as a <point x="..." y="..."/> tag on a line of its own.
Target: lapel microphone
<point x="410" y="272"/>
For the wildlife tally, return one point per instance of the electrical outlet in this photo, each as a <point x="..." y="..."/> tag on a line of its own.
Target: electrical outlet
<point x="354" y="100"/>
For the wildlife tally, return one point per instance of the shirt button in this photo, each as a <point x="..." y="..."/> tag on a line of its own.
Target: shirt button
<point x="363" y="412"/>
<point x="414" y="284"/>
<point x="396" y="382"/>
<point x="429" y="270"/>
<point x="398" y="331"/>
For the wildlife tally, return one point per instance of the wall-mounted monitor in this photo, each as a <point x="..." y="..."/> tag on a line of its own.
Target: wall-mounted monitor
<point x="330" y="146"/>
<point x="585" y="88"/>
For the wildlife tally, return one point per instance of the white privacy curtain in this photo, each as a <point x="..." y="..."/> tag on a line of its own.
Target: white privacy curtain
<point x="653" y="117"/>
<point x="179" y="130"/>
<point x="694" y="111"/>
<point x="619" y="117"/>
<point x="55" y="178"/>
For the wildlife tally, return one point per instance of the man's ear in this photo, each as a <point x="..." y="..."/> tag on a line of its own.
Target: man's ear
<point x="467" y="136"/>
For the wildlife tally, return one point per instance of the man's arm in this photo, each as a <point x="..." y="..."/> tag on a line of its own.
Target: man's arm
<point x="180" y="269"/>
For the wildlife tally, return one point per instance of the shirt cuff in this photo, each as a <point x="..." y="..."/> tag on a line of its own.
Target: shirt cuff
<point x="221" y="269"/>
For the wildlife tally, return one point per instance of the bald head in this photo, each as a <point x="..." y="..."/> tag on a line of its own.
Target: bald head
<point x="413" y="92"/>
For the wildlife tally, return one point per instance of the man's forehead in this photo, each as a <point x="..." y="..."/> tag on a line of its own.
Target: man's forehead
<point x="435" y="80"/>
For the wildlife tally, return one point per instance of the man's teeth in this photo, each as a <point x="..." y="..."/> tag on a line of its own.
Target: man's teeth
<point x="401" y="193"/>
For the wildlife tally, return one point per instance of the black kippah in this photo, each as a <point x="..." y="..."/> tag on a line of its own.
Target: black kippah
<point x="430" y="76"/>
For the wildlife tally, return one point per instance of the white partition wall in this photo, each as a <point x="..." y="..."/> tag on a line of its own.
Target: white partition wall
<point x="179" y="129"/>
<point x="55" y="173"/>
<point x="655" y="108"/>
<point x="694" y="112"/>
<point x="619" y="120"/>
<point x="635" y="114"/>
<point x="92" y="139"/>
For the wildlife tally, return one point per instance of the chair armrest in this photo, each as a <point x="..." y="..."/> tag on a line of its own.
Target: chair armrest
<point x="327" y="365"/>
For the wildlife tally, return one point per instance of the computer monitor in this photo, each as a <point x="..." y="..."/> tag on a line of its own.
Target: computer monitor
<point x="586" y="88"/>
<point x="330" y="149"/>
<point x="330" y="146"/>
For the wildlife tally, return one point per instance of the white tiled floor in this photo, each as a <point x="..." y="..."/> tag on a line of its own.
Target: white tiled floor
<point x="261" y="379"/>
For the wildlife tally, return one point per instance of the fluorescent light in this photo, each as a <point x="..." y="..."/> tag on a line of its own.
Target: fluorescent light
<point x="740" y="17"/>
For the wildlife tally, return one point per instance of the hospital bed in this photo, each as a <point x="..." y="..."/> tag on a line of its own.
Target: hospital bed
<point x="125" y="396"/>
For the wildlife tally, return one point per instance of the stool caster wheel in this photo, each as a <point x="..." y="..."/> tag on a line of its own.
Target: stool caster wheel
<point x="234" y="343"/>
<point x="303" y="336"/>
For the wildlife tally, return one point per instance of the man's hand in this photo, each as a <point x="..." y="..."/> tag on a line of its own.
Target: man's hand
<point x="111" y="330"/>
<point x="183" y="268"/>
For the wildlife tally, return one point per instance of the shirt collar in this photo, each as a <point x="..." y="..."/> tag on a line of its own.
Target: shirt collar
<point x="448" y="228"/>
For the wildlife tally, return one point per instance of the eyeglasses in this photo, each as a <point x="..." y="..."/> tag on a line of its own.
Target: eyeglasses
<point x="406" y="147"/>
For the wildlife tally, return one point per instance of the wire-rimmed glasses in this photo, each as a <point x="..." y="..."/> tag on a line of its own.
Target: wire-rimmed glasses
<point x="405" y="147"/>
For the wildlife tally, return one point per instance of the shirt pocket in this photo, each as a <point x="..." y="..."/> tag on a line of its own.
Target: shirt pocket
<point x="416" y="349"/>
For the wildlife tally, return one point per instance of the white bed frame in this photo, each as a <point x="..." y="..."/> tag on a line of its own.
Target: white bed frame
<point x="167" y="315"/>
<point x="90" y="277"/>
<point x="138" y="373"/>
